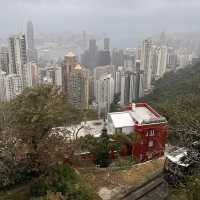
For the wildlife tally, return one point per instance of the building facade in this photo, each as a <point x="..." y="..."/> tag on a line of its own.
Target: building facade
<point x="149" y="130"/>
<point x="105" y="93"/>
<point x="79" y="88"/>
<point x="18" y="56"/>
<point x="68" y="65"/>
<point x="146" y="63"/>
<point x="31" y="51"/>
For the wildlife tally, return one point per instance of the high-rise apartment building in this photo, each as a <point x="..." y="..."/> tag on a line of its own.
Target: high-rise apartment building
<point x="105" y="93"/>
<point x="132" y="85"/>
<point x="146" y="63"/>
<point x="139" y="88"/>
<point x="31" y="51"/>
<point x="125" y="88"/>
<point x="32" y="74"/>
<point x="11" y="51"/>
<point x="159" y="61"/>
<point x="92" y="54"/>
<point x="79" y="87"/>
<point x="118" y="74"/>
<point x="106" y="44"/>
<point x="2" y="86"/>
<point x="18" y="56"/>
<point x="14" y="86"/>
<point x="118" y="57"/>
<point x="162" y="61"/>
<point x="99" y="72"/>
<point x="4" y="60"/>
<point x="68" y="65"/>
<point x="103" y="58"/>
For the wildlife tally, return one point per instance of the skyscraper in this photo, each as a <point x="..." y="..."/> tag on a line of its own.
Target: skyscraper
<point x="92" y="46"/>
<point x="2" y="86"/>
<point x="125" y="89"/>
<point x="92" y="54"/>
<point x="79" y="87"/>
<point x="162" y="61"/>
<point x="14" y="86"/>
<point x="118" y="57"/>
<point x="139" y="87"/>
<point x="18" y="56"/>
<point x="159" y="61"/>
<point x="103" y="58"/>
<point x="101" y="71"/>
<point x="146" y="63"/>
<point x="118" y="75"/>
<point x="31" y="74"/>
<point x="4" y="60"/>
<point x="106" y="44"/>
<point x="31" y="51"/>
<point x="30" y="35"/>
<point x="11" y="51"/>
<point x="68" y="64"/>
<point x="105" y="91"/>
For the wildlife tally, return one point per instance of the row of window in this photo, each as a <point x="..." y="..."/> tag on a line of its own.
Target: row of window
<point x="150" y="133"/>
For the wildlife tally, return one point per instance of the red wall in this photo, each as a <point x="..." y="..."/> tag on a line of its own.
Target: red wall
<point x="154" y="132"/>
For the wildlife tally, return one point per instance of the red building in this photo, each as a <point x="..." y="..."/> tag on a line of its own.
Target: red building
<point x="149" y="129"/>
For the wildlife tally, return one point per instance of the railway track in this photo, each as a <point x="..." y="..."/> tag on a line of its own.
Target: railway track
<point x="156" y="188"/>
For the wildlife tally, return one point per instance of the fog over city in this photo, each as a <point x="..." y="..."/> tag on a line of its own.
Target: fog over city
<point x="125" y="22"/>
<point x="99" y="99"/>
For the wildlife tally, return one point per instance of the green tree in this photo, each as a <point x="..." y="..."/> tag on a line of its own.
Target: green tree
<point x="102" y="150"/>
<point x="39" y="109"/>
<point x="31" y="148"/>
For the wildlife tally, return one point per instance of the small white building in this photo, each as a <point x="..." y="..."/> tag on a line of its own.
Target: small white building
<point x="124" y="122"/>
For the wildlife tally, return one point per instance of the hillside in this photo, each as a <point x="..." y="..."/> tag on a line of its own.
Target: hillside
<point x="177" y="97"/>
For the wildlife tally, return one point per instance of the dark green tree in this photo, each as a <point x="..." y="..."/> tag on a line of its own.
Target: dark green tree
<point x="102" y="152"/>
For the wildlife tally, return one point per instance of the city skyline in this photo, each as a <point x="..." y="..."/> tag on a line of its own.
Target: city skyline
<point x="126" y="23"/>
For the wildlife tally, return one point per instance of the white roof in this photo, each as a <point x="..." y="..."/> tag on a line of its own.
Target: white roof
<point x="128" y="118"/>
<point x="142" y="114"/>
<point x="121" y="119"/>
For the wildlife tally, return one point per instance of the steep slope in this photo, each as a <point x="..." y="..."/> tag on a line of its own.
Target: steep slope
<point x="177" y="97"/>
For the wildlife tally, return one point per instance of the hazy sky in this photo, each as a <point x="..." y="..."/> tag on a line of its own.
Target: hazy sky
<point x="121" y="19"/>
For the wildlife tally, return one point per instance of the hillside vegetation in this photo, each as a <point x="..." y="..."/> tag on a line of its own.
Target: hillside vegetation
<point x="177" y="97"/>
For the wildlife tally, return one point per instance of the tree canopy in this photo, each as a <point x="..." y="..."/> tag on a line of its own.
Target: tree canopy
<point x="177" y="97"/>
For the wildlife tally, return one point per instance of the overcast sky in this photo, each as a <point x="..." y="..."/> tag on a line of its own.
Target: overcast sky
<point x="118" y="18"/>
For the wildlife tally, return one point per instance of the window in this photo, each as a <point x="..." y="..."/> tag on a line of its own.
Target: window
<point x="150" y="133"/>
<point x="151" y="143"/>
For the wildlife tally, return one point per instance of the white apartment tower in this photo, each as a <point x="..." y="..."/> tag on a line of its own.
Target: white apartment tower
<point x="146" y="63"/>
<point x="17" y="56"/>
<point x="162" y="61"/>
<point x="14" y="86"/>
<point x="2" y="86"/>
<point x="105" y="93"/>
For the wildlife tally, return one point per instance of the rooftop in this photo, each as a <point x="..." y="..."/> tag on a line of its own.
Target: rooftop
<point x="122" y="119"/>
<point x="138" y="114"/>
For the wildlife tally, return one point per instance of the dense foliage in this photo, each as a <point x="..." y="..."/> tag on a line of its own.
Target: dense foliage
<point x="177" y="97"/>
<point x="64" y="181"/>
<point x="30" y="148"/>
